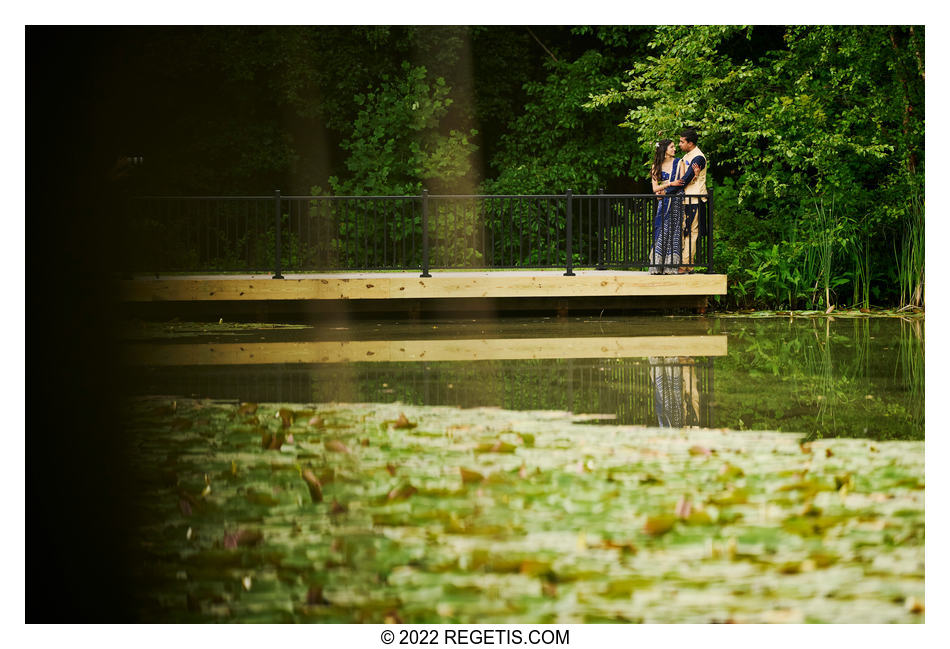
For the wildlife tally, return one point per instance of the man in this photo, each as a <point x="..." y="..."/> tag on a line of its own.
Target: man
<point x="694" y="214"/>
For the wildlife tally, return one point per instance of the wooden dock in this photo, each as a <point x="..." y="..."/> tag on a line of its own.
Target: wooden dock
<point x="530" y="288"/>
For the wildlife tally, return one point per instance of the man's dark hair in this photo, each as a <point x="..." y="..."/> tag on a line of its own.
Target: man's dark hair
<point x="690" y="135"/>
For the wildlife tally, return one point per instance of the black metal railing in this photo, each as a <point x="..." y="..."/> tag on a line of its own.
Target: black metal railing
<point x="280" y="233"/>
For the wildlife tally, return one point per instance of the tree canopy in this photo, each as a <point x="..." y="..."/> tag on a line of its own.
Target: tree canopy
<point x="815" y="134"/>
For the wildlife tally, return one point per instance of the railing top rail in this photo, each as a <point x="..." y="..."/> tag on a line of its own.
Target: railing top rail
<point x="403" y="197"/>
<point x="206" y="198"/>
<point x="496" y="195"/>
<point x="633" y="195"/>
<point x="330" y="198"/>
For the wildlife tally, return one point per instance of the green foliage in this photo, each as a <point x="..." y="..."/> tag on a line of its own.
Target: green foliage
<point x="556" y="144"/>
<point x="396" y="146"/>
<point x="826" y="110"/>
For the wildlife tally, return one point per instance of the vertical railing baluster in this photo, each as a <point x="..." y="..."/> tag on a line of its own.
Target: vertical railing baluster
<point x="600" y="229"/>
<point x="425" y="233"/>
<point x="491" y="231"/>
<point x="569" y="247"/>
<point x="551" y="225"/>
<point x="709" y="232"/>
<point x="522" y="224"/>
<point x="277" y="274"/>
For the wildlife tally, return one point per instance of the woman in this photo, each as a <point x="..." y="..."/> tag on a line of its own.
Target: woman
<point x="667" y="223"/>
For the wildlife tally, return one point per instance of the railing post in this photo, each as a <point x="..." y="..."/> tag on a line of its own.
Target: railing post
<point x="709" y="232"/>
<point x="277" y="274"/>
<point x="600" y="230"/>
<point x="425" y="233"/>
<point x="570" y="235"/>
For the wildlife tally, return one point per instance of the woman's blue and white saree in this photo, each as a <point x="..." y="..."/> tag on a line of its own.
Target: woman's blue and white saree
<point x="667" y="227"/>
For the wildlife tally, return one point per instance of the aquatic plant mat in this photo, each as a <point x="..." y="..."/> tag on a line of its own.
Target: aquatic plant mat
<point x="387" y="512"/>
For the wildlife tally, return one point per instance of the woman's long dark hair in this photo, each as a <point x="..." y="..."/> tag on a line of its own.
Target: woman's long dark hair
<point x="659" y="155"/>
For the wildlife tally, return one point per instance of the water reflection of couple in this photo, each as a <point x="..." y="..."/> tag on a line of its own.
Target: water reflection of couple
<point x="674" y="178"/>
<point x="675" y="392"/>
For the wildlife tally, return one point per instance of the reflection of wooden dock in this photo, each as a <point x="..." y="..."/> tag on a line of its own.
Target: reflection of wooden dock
<point x="423" y="350"/>
<point x="443" y="285"/>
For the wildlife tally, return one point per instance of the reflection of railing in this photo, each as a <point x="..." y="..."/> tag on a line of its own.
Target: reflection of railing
<point x="625" y="388"/>
<point x="309" y="233"/>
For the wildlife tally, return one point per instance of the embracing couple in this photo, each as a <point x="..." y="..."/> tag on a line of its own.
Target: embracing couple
<point x="680" y="213"/>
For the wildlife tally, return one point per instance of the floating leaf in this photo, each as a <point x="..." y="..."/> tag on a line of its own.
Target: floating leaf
<point x="659" y="524"/>
<point x="313" y="485"/>
<point x="736" y="496"/>
<point x="402" y="422"/>
<point x="700" y="450"/>
<point x="790" y="568"/>
<point x="496" y="447"/>
<point x="698" y="516"/>
<point x="844" y="481"/>
<point x="730" y="471"/>
<point x="258" y="498"/>
<point x="534" y="568"/>
<point x="272" y="441"/>
<point x="609" y="544"/>
<point x="683" y="508"/>
<point x="286" y="417"/>
<point x="315" y="596"/>
<point x="808" y="487"/>
<point x="247" y="409"/>
<point x="810" y="525"/>
<point x="316" y="422"/>
<point x="822" y="559"/>
<point x="401" y="492"/>
<point x="336" y="446"/>
<point x="242" y="538"/>
<point x="470" y="477"/>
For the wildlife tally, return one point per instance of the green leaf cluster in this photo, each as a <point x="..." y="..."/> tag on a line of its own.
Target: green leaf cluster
<point x="397" y="145"/>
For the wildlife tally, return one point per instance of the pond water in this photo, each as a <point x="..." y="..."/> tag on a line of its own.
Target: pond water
<point x="823" y="377"/>
<point x="648" y="469"/>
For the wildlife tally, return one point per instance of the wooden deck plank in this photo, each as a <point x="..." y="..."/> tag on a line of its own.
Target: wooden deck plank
<point x="423" y="350"/>
<point x="382" y="286"/>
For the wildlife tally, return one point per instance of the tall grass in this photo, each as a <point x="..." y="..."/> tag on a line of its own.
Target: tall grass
<point x="910" y="257"/>
<point x="861" y="255"/>
<point x="827" y="233"/>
